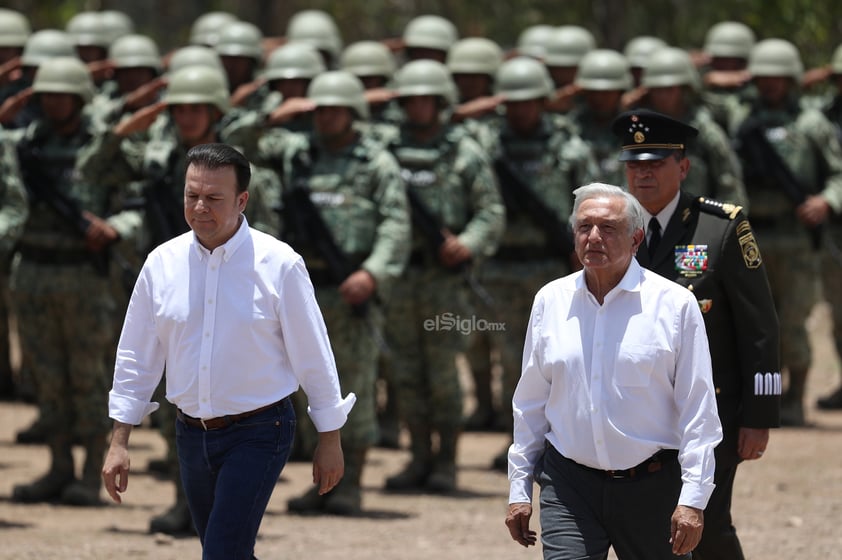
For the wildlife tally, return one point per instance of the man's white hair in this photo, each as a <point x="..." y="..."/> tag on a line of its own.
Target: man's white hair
<point x="633" y="209"/>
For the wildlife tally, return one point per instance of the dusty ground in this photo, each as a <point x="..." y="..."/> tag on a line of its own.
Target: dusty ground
<point x="787" y="505"/>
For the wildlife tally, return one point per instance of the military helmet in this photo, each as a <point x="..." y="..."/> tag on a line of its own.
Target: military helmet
<point x="637" y="50"/>
<point x="198" y="84"/>
<point x="603" y="70"/>
<point x="135" y="51"/>
<point x="88" y="29"/>
<point x="523" y="78"/>
<point x="668" y="67"/>
<point x="532" y="41"/>
<point x="730" y="39"/>
<point x="339" y="88"/>
<point x="294" y="61"/>
<point x="240" y="38"/>
<point x="368" y="58"/>
<point x="425" y="77"/>
<point x="195" y="55"/>
<point x="775" y="58"/>
<point x="316" y="28"/>
<point x="430" y="32"/>
<point x="567" y="45"/>
<point x="117" y="23"/>
<point x="206" y="28"/>
<point x="45" y="44"/>
<point x="64" y="74"/>
<point x="474" y="55"/>
<point x="14" y="28"/>
<point x="836" y="61"/>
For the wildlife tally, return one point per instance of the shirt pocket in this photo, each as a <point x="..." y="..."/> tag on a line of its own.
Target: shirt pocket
<point x="637" y="363"/>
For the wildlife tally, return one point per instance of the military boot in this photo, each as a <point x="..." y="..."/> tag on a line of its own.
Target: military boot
<point x="415" y="474"/>
<point x="36" y="433"/>
<point x="309" y="502"/>
<point x="346" y="498"/>
<point x="85" y="492"/>
<point x="51" y="485"/>
<point x="443" y="476"/>
<point x="176" y="520"/>
<point x="792" y="401"/>
<point x="833" y="401"/>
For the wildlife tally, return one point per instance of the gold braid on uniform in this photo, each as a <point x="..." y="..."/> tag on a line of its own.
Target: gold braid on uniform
<point x="721" y="209"/>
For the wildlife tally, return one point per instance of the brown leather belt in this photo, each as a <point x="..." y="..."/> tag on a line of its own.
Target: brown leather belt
<point x="651" y="465"/>
<point x="223" y="421"/>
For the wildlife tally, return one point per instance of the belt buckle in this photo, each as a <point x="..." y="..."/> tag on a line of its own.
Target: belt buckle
<point x="616" y="475"/>
<point x="202" y="420"/>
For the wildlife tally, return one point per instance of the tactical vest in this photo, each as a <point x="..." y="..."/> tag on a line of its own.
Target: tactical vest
<point x="164" y="166"/>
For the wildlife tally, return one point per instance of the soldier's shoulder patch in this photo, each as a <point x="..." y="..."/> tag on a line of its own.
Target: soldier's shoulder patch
<point x="748" y="245"/>
<point x="721" y="209"/>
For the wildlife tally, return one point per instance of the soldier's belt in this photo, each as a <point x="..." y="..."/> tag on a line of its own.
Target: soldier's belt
<point x="524" y="253"/>
<point x="55" y="257"/>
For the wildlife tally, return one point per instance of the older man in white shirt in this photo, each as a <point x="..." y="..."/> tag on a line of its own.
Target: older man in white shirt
<point x="615" y="413"/>
<point x="231" y="313"/>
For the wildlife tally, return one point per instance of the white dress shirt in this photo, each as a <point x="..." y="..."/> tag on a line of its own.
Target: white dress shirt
<point x="237" y="328"/>
<point x="610" y="385"/>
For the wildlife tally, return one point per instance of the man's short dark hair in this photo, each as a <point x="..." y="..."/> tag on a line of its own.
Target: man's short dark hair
<point x="214" y="156"/>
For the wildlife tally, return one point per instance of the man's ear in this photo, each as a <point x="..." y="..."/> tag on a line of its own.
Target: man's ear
<point x="684" y="167"/>
<point x="637" y="237"/>
<point x="242" y="199"/>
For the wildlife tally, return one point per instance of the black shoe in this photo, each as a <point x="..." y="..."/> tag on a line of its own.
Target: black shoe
<point x="36" y="434"/>
<point x="832" y="401"/>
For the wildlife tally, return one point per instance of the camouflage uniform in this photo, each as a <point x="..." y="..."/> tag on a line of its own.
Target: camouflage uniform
<point x="359" y="195"/>
<point x="805" y="142"/>
<point x="60" y="290"/>
<point x="13" y="214"/>
<point x="452" y="177"/>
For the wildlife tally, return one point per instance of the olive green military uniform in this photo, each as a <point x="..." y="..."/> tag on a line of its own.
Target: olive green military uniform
<point x="13" y="213"/>
<point x="360" y="197"/>
<point x="453" y="179"/>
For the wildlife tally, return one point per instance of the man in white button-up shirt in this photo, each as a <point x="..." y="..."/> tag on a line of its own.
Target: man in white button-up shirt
<point x="231" y="313"/>
<point x="615" y="414"/>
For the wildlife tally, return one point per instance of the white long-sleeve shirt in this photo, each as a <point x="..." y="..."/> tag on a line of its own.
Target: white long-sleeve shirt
<point x="237" y="328"/>
<point x="609" y="385"/>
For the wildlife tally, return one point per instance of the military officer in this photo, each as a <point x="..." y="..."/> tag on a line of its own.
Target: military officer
<point x="710" y="248"/>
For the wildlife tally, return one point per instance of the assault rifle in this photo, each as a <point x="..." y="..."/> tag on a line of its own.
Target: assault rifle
<point x="519" y="198"/>
<point x="763" y="161"/>
<point x="431" y="229"/>
<point x="39" y="180"/>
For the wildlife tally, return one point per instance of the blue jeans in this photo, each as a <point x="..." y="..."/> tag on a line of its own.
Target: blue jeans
<point x="229" y="475"/>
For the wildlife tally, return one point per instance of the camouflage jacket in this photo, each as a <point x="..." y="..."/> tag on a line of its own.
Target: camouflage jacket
<point x="13" y="201"/>
<point x="358" y="193"/>
<point x="552" y="162"/>
<point x="454" y="180"/>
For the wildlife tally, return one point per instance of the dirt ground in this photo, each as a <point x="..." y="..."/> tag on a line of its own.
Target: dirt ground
<point x="787" y="505"/>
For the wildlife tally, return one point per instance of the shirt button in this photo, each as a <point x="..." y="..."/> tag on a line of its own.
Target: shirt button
<point x="204" y="400"/>
<point x="599" y="442"/>
<point x="204" y="368"/>
<point x="207" y="335"/>
<point x="210" y="301"/>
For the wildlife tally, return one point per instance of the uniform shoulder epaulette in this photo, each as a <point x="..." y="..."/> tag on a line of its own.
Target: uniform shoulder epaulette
<point x="722" y="209"/>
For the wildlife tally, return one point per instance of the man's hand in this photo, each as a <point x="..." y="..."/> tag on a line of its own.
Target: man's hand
<point x="14" y="105"/>
<point x="517" y="520"/>
<point x="100" y="234"/>
<point x="238" y="98"/>
<point x="563" y="99"/>
<point x="477" y="107"/>
<point x="813" y="211"/>
<point x="633" y="98"/>
<point x="728" y="79"/>
<point x="358" y="287"/>
<point x="145" y="95"/>
<point x="101" y="70"/>
<point x="10" y="70"/>
<point x="115" y="470"/>
<point x="686" y="527"/>
<point x="290" y="109"/>
<point x="328" y="462"/>
<point x="379" y="96"/>
<point x="752" y="442"/>
<point x="139" y="121"/>
<point x="452" y="252"/>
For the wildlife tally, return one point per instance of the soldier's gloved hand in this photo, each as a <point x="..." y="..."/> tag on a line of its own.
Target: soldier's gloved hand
<point x="358" y="287"/>
<point x="452" y="252"/>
